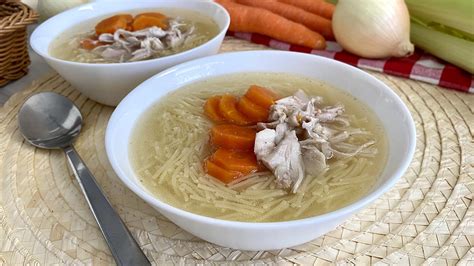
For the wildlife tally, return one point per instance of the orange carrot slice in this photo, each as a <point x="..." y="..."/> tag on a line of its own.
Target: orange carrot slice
<point x="251" y="110"/>
<point x="240" y="161"/>
<point x="228" y="109"/>
<point x="152" y="14"/>
<point x="211" y="109"/>
<point x="261" y="96"/>
<point x="220" y="173"/>
<point x="233" y="137"/>
<point x="150" y="19"/>
<point x="89" y="44"/>
<point x="112" y="24"/>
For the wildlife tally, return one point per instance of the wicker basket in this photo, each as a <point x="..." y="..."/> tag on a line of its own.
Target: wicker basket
<point x="14" y="58"/>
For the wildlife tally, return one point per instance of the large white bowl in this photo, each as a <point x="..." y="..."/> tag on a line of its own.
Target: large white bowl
<point x="109" y="83"/>
<point x="381" y="99"/>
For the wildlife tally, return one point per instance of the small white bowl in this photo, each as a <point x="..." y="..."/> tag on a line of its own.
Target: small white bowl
<point x="109" y="83"/>
<point x="394" y="115"/>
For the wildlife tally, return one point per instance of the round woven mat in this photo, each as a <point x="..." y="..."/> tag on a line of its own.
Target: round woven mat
<point x="428" y="217"/>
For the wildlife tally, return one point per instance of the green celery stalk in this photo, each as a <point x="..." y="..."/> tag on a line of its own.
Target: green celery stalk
<point x="445" y="29"/>
<point x="455" y="14"/>
<point x="457" y="51"/>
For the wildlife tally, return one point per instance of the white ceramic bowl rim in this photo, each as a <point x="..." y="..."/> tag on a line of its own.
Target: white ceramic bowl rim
<point x="130" y="6"/>
<point x="360" y="203"/>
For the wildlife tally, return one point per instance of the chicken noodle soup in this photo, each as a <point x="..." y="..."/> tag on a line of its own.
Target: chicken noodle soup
<point x="171" y="141"/>
<point x="136" y="36"/>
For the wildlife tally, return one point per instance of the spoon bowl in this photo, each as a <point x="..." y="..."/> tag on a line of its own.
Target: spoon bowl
<point x="50" y="121"/>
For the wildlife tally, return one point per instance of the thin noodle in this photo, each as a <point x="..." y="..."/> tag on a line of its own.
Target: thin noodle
<point x="165" y="166"/>
<point x="248" y="182"/>
<point x="264" y="194"/>
<point x="279" y="208"/>
<point x="238" y="207"/>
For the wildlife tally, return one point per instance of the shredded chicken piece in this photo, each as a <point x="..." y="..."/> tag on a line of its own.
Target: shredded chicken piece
<point x="284" y="160"/>
<point x="314" y="160"/>
<point x="264" y="142"/>
<point x="133" y="46"/>
<point x="340" y="154"/>
<point x="297" y="140"/>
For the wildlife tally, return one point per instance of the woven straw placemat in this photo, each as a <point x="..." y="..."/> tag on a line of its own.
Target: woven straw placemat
<point x="428" y="217"/>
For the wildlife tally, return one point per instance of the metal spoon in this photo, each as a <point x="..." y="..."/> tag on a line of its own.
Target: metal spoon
<point x="51" y="121"/>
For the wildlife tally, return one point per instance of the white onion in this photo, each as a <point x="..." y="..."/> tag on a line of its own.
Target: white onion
<point x="373" y="28"/>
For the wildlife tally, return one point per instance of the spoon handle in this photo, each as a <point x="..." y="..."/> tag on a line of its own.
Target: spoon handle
<point x="121" y="243"/>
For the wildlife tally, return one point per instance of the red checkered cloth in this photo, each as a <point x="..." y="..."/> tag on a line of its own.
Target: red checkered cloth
<point x="419" y="66"/>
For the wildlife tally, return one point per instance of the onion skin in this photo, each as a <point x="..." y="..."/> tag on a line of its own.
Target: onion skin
<point x="373" y="28"/>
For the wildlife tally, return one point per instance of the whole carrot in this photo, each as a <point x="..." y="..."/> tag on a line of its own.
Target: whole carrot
<point x="258" y="20"/>
<point x="318" y="7"/>
<point x="296" y="14"/>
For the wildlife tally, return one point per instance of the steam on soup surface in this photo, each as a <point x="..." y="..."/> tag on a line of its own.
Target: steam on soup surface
<point x="171" y="142"/>
<point x="135" y="36"/>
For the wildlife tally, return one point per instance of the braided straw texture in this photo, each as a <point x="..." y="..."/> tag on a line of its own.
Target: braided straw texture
<point x="14" y="58"/>
<point x="428" y="217"/>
